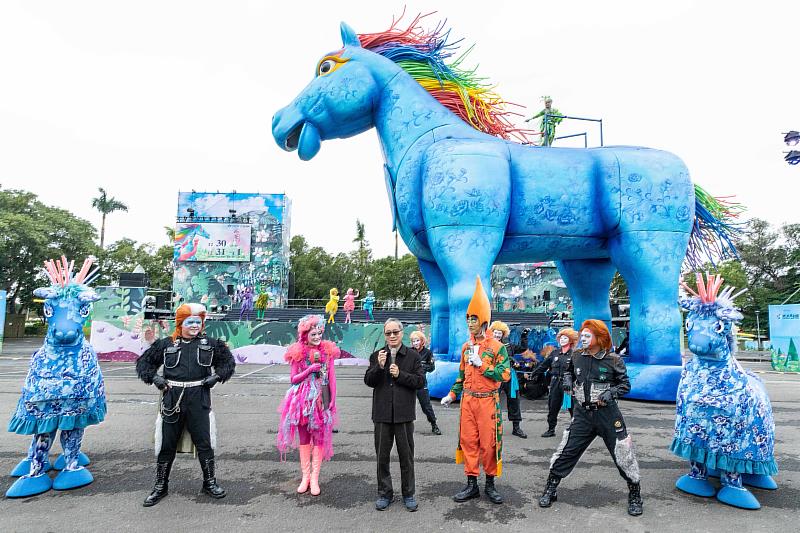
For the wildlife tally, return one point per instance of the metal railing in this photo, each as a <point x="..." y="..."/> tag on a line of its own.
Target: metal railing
<point x="380" y="305"/>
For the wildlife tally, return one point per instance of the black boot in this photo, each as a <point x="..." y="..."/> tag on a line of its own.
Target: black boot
<point x="435" y="429"/>
<point x="518" y="431"/>
<point x="161" y="486"/>
<point x="549" y="495"/>
<point x="635" y="499"/>
<point x="469" y="491"/>
<point x="210" y="486"/>
<point x="491" y="491"/>
<point x="551" y="432"/>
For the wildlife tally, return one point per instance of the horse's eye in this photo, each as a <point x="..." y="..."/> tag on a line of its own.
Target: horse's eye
<point x="85" y="310"/>
<point x="719" y="327"/>
<point x="689" y="325"/>
<point x="326" y="66"/>
<point x="48" y="311"/>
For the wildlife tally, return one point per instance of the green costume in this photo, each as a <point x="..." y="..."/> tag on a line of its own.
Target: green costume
<point x="548" y="127"/>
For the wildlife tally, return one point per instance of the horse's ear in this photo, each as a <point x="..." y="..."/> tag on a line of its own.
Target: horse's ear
<point x="349" y="36"/>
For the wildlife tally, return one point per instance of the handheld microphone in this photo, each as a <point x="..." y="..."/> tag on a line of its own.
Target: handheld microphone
<point x="393" y="352"/>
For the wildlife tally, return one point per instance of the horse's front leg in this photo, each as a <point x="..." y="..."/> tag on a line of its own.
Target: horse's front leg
<point x="74" y="475"/>
<point x="467" y="200"/>
<point x="36" y="480"/>
<point x="733" y="493"/>
<point x="696" y="481"/>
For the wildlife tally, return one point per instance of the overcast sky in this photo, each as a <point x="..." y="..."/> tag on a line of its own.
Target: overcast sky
<point x="147" y="98"/>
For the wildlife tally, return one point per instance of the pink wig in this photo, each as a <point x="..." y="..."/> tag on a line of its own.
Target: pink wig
<point x="306" y="324"/>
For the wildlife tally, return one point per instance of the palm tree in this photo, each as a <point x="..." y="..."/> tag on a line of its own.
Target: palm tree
<point x="106" y="205"/>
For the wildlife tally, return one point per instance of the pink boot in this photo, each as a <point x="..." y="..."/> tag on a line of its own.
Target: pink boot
<point x="316" y="464"/>
<point x="305" y="467"/>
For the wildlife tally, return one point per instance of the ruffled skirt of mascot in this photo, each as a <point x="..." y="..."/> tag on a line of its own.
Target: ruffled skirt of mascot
<point x="302" y="409"/>
<point x="724" y="424"/>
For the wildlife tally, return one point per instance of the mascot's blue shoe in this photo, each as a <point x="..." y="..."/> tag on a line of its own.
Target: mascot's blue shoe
<point x="738" y="497"/>
<point x="72" y="479"/>
<point x="23" y="468"/>
<point x="83" y="460"/>
<point x="30" y="486"/>
<point x="759" y="481"/>
<point x="698" y="487"/>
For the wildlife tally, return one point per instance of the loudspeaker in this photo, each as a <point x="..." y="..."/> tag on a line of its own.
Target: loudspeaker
<point x="133" y="279"/>
<point x="546" y="296"/>
<point x="229" y="288"/>
<point x="161" y="301"/>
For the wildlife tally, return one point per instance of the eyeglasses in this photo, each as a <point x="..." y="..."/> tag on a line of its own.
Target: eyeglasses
<point x="393" y="332"/>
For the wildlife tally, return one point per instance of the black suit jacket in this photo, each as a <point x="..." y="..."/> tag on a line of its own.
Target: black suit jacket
<point x="394" y="400"/>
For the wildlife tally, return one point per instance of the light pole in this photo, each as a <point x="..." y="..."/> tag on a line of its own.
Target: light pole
<point x="758" y="332"/>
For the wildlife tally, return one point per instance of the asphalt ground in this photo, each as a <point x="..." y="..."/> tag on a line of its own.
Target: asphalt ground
<point x="261" y="487"/>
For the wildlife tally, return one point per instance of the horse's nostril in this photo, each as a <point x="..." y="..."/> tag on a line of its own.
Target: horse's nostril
<point x="293" y="139"/>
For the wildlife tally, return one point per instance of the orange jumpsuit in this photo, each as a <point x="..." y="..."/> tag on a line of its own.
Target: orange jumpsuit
<point x="481" y="427"/>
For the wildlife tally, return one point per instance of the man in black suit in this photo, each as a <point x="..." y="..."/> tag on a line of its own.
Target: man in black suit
<point x="395" y="373"/>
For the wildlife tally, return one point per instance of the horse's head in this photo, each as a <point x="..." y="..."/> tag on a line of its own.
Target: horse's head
<point x="338" y="103"/>
<point x="710" y="319"/>
<point x="67" y="303"/>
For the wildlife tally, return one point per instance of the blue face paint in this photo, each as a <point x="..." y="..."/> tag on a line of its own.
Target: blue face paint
<point x="192" y="321"/>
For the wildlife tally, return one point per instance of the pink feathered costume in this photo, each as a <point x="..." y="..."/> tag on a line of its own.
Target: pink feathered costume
<point x="303" y="413"/>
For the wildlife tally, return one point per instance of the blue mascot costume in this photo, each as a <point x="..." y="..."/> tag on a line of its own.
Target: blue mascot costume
<point x="723" y="425"/>
<point x="64" y="388"/>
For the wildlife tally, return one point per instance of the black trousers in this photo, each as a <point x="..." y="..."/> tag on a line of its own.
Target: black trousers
<point x="425" y="402"/>
<point x="554" y="400"/>
<point x="512" y="404"/>
<point x="606" y="423"/>
<point x="195" y="408"/>
<point x="385" y="437"/>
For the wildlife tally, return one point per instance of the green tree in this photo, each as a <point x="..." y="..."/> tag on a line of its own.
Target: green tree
<point x="30" y="233"/>
<point x="106" y="205"/>
<point x="397" y="279"/>
<point x="125" y="255"/>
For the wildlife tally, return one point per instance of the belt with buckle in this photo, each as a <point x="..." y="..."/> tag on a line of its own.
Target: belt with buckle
<point x="590" y="406"/>
<point x="479" y="394"/>
<point x="184" y="384"/>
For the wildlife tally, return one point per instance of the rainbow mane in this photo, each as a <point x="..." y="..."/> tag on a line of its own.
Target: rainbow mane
<point x="424" y="56"/>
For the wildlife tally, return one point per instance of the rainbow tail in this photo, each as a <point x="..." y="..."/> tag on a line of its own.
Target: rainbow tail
<point x="714" y="230"/>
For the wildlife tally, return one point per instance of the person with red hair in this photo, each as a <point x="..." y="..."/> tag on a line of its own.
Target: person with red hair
<point x="193" y="363"/>
<point x="555" y="365"/>
<point x="308" y="411"/>
<point x="596" y="377"/>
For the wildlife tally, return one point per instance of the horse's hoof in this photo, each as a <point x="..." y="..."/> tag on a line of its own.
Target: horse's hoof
<point x="83" y="460"/>
<point x="72" y="479"/>
<point x="736" y="497"/>
<point x="759" y="481"/>
<point x="30" y="486"/>
<point x="697" y="487"/>
<point x="23" y="468"/>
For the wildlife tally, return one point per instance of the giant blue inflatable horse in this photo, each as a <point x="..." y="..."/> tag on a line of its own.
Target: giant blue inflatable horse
<point x="463" y="200"/>
<point x="64" y="388"/>
<point x="723" y="422"/>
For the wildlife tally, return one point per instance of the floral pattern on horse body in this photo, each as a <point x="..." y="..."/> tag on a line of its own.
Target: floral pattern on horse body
<point x="723" y="421"/>
<point x="64" y="389"/>
<point x="465" y="196"/>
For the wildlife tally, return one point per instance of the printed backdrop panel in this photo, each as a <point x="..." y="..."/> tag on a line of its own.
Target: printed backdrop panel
<point x="784" y="334"/>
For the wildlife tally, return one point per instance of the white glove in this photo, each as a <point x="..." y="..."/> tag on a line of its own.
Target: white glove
<point x="447" y="400"/>
<point x="475" y="360"/>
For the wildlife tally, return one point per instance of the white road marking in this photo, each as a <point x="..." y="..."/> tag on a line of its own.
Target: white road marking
<point x="253" y="372"/>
